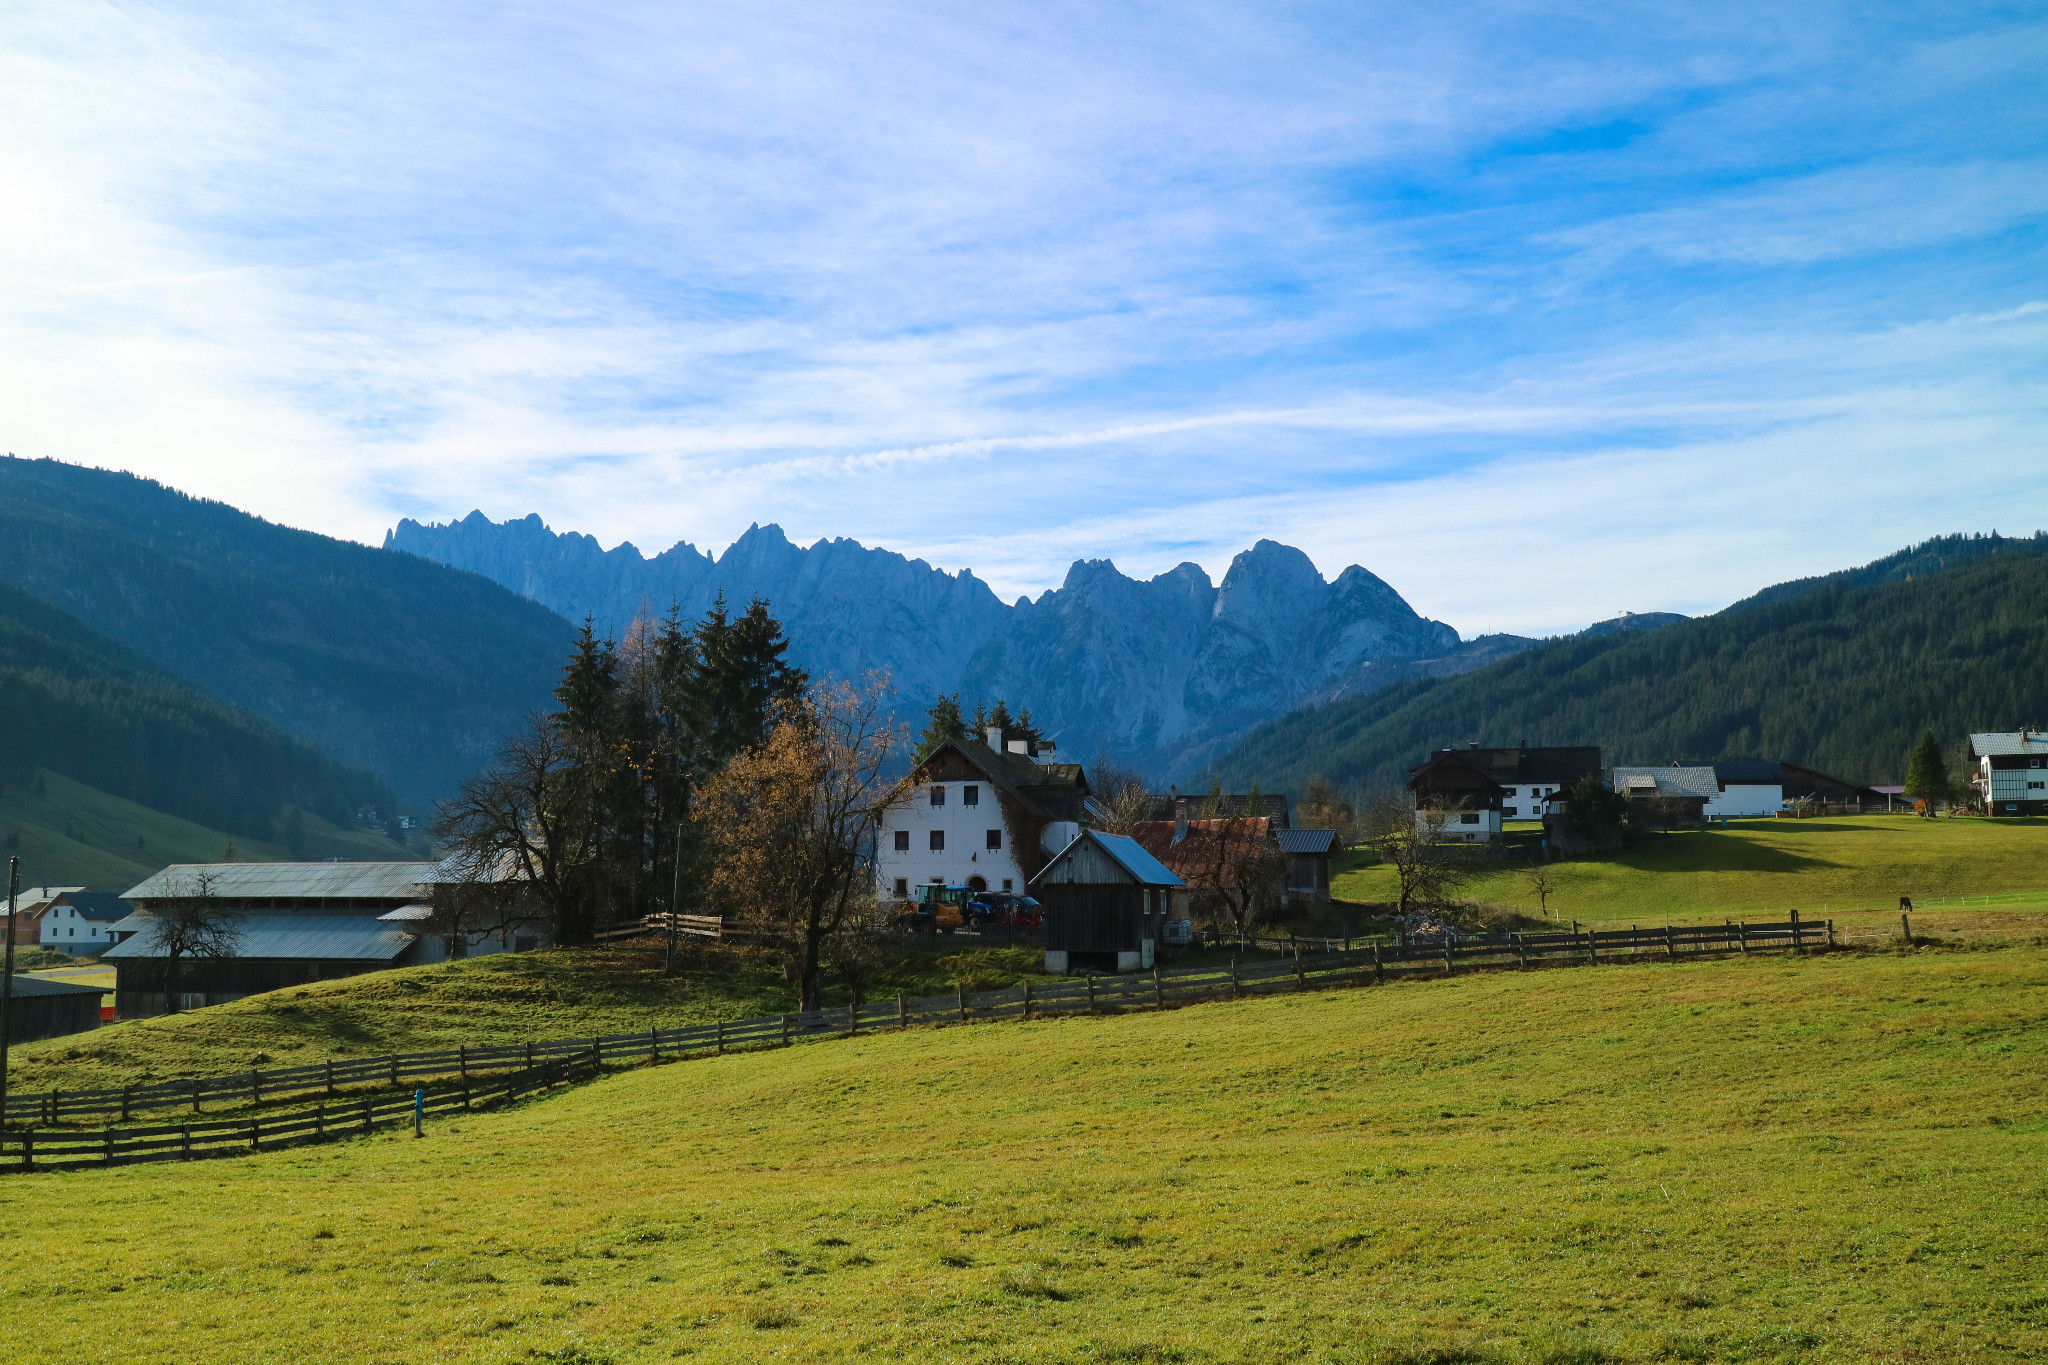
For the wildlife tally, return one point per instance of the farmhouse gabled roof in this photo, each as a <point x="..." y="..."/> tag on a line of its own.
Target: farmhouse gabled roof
<point x="295" y="881"/>
<point x="1015" y="773"/>
<point x="2017" y="743"/>
<point x="1127" y="853"/>
<point x="1667" y="781"/>
<point x="329" y="938"/>
<point x="1308" y="840"/>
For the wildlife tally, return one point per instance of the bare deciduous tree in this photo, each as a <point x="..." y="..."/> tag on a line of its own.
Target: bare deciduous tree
<point x="1119" y="803"/>
<point x="791" y="823"/>
<point x="1428" y="868"/>
<point x="528" y="818"/>
<point x="192" y="923"/>
<point x="1543" y="882"/>
<point x="1235" y="868"/>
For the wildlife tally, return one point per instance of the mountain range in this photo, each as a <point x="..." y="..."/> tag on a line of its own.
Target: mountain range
<point x="1157" y="673"/>
<point x="1841" y="672"/>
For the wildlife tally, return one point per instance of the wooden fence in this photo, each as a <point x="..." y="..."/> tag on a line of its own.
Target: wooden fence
<point x="689" y="926"/>
<point x="464" y="1071"/>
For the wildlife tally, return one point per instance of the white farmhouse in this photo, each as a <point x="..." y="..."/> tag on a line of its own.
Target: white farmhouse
<point x="981" y="815"/>
<point x="81" y="922"/>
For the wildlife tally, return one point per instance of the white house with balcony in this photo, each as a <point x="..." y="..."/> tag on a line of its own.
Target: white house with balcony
<point x="984" y="814"/>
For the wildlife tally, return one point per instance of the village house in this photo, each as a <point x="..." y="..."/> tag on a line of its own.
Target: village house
<point x="29" y="904"/>
<point x="295" y="922"/>
<point x="1678" y="795"/>
<point x="82" y="922"/>
<point x="2012" y="772"/>
<point x="1106" y="904"/>
<point x="981" y="815"/>
<point x="1743" y="788"/>
<point x="1475" y="790"/>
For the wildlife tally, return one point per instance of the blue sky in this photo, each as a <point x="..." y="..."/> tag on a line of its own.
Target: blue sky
<point x="1539" y="312"/>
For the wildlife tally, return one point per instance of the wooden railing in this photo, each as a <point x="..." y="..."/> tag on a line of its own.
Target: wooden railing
<point x="692" y="926"/>
<point x="462" y="1069"/>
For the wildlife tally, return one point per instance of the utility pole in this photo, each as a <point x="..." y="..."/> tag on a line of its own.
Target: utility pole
<point x="7" y="983"/>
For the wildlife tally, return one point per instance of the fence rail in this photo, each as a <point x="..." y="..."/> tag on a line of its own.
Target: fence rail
<point x="32" y="1149"/>
<point x="469" y="1067"/>
<point x="691" y="926"/>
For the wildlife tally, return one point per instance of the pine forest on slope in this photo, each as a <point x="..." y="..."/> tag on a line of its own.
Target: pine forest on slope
<point x="384" y="661"/>
<point x="1839" y="673"/>
<point x="76" y="703"/>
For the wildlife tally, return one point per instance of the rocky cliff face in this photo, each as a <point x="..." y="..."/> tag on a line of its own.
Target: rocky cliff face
<point x="1149" y="671"/>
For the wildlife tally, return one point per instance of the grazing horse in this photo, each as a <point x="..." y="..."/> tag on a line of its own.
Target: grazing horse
<point x="1905" y="902"/>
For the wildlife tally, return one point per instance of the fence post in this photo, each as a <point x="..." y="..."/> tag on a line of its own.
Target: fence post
<point x="1027" y="999"/>
<point x="1742" y="937"/>
<point x="1670" y="943"/>
<point x="188" y="1142"/>
<point x="1831" y="933"/>
<point x="1091" y="991"/>
<point x="195" y="1094"/>
<point x="903" y="1013"/>
<point x="255" y="1136"/>
<point x="1158" y="989"/>
<point x="330" y="1075"/>
<point x="394" y="1071"/>
<point x="1522" y="950"/>
<point x="960" y="991"/>
<point x="529" y="1052"/>
<point x="785" y="1030"/>
<point x="1233" y="980"/>
<point x="107" y="1146"/>
<point x="1592" y="948"/>
<point x="721" y="1037"/>
<point x="1379" y="966"/>
<point x="1450" y="967"/>
<point x="653" y="1048"/>
<point x="1798" y="935"/>
<point x="1300" y="972"/>
<point x="852" y="1019"/>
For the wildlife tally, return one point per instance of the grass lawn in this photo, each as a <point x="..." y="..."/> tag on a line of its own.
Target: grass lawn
<point x="1838" y="1158"/>
<point x="505" y="998"/>
<point x="1766" y="867"/>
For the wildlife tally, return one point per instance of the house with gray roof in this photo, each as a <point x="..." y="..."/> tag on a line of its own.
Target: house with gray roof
<point x="2012" y="771"/>
<point x="1106" y="903"/>
<point x="294" y="923"/>
<point x="1677" y="795"/>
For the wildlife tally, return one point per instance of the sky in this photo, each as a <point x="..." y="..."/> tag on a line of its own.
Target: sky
<point x="1540" y="312"/>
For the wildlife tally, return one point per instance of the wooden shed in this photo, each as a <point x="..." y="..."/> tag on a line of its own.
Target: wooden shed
<point x="51" y="1009"/>
<point x="1105" y="901"/>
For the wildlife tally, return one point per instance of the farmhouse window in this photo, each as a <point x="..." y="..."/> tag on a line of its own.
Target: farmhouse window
<point x="1006" y="883"/>
<point x="902" y="888"/>
<point x="938" y="841"/>
<point x="1509" y="810"/>
<point x="938" y="796"/>
<point x="903" y="841"/>
<point x="970" y="796"/>
<point x="995" y="836"/>
<point x="1472" y="819"/>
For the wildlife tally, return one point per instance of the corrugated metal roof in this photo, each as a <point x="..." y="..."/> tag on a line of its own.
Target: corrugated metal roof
<point x="1668" y="781"/>
<point x="1126" y="852"/>
<point x="1308" y="840"/>
<point x="407" y="914"/>
<point x="302" y="881"/>
<point x="32" y="985"/>
<point x="354" y="938"/>
<point x="2027" y="742"/>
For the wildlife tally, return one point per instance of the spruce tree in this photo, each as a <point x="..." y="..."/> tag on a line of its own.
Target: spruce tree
<point x="943" y="722"/>
<point x="1926" y="771"/>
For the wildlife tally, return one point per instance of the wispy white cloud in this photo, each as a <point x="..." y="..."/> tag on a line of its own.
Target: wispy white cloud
<point x="1009" y="286"/>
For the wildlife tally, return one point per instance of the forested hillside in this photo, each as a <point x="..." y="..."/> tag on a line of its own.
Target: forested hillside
<point x="1841" y="675"/>
<point x="387" y="661"/>
<point x="76" y="703"/>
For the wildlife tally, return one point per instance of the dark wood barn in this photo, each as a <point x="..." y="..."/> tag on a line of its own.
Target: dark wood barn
<point x="51" y="1009"/>
<point x="1105" y="901"/>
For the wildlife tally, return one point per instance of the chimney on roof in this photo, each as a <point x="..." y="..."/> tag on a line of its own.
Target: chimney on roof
<point x="1475" y="744"/>
<point x="994" y="736"/>
<point x="1180" y="818"/>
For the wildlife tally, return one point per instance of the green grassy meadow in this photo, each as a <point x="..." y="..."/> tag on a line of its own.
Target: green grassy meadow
<point x="503" y="998"/>
<point x="1766" y="867"/>
<point x="1835" y="1158"/>
<point x="70" y="834"/>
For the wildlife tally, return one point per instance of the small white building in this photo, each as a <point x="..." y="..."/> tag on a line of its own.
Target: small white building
<point x="1744" y="788"/>
<point x="980" y="817"/>
<point x="82" y="922"/>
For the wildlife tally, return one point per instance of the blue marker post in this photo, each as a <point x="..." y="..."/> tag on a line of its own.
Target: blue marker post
<point x="419" y="1112"/>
